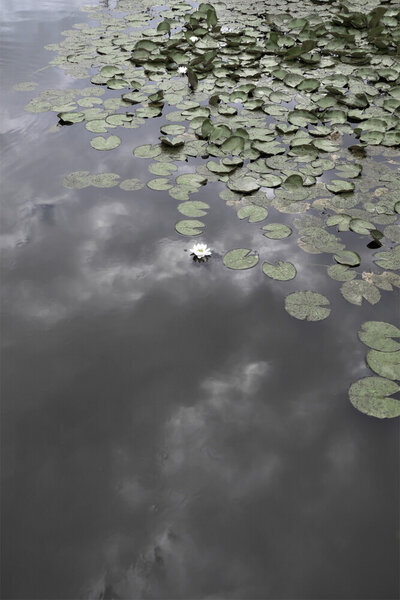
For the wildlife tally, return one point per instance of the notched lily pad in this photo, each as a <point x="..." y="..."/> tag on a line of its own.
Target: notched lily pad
<point x="240" y="258"/>
<point x="190" y="227"/>
<point x="307" y="306"/>
<point x="276" y="231"/>
<point x="371" y="395"/>
<point x="385" y="364"/>
<point x="379" y="336"/>
<point x="102" y="143"/>
<point x="253" y="213"/>
<point x="282" y="271"/>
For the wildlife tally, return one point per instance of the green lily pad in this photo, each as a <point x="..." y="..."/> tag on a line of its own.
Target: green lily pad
<point x="190" y="227"/>
<point x="160" y="184"/>
<point x="385" y="364"/>
<point x="308" y="306"/>
<point x="104" y="180"/>
<point x="162" y="169"/>
<point x="253" y="213"/>
<point x="341" y="273"/>
<point x="355" y="291"/>
<point x="339" y="186"/>
<point x="379" y="336"/>
<point x="131" y="185"/>
<point x="244" y="185"/>
<point x="282" y="271"/>
<point x="147" y="151"/>
<point x="71" y="117"/>
<point x="348" y="258"/>
<point x="389" y="259"/>
<point x="77" y="180"/>
<point x="276" y="231"/>
<point x="371" y="395"/>
<point x="193" y="208"/>
<point x="240" y="258"/>
<point x="102" y="143"/>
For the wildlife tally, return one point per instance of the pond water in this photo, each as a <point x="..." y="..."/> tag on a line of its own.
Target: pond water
<point x="169" y="430"/>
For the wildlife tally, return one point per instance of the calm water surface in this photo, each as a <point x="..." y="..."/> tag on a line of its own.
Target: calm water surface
<point x="168" y="430"/>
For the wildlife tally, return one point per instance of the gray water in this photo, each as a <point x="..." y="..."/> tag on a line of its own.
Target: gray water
<point x="168" y="430"/>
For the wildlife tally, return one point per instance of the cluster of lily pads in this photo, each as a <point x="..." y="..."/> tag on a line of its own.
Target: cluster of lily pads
<point x="372" y="395"/>
<point x="290" y="106"/>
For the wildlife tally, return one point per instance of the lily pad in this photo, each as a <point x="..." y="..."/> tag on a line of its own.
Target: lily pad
<point x="276" y="231"/>
<point x="240" y="258"/>
<point x="193" y="208"/>
<point x="77" y="180"/>
<point x="282" y="271"/>
<point x="385" y="364"/>
<point x="308" y="306"/>
<point x="371" y="395"/>
<point x="355" y="291"/>
<point x="244" y="185"/>
<point x="190" y="227"/>
<point x="253" y="213"/>
<point x="339" y="186"/>
<point x="379" y="336"/>
<point x="147" y="151"/>
<point x="348" y="258"/>
<point x="102" y="143"/>
<point x="131" y="185"/>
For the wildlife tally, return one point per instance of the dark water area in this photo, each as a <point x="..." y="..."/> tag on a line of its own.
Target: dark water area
<point x="168" y="430"/>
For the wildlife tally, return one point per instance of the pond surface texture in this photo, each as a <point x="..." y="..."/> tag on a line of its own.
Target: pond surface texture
<point x="169" y="431"/>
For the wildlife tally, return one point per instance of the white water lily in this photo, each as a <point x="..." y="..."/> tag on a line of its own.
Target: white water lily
<point x="222" y="44"/>
<point x="182" y="70"/>
<point x="226" y="29"/>
<point x="194" y="39"/>
<point x="200" y="250"/>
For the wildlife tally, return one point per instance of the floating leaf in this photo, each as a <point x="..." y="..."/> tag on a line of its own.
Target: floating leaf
<point x="245" y="185"/>
<point x="348" y="257"/>
<point x="252" y="212"/>
<point x="379" y="336"/>
<point x="308" y="305"/>
<point x="339" y="186"/>
<point x="104" y="180"/>
<point x="161" y="183"/>
<point x="190" y="227"/>
<point x="389" y="259"/>
<point x="370" y="395"/>
<point x="276" y="231"/>
<point x="240" y="258"/>
<point x="193" y="208"/>
<point x="355" y="291"/>
<point x="131" y="185"/>
<point x="341" y="273"/>
<point x="102" y="143"/>
<point x="77" y="180"/>
<point x="147" y="151"/>
<point x="386" y="364"/>
<point x="282" y="271"/>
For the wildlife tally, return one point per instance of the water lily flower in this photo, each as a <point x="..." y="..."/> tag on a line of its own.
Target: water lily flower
<point x="194" y="39"/>
<point x="200" y="251"/>
<point x="182" y="70"/>
<point x="222" y="44"/>
<point x="225" y="29"/>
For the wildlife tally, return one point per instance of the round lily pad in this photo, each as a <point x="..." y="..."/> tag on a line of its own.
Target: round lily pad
<point x="244" y="185"/>
<point x="354" y="292"/>
<point x="77" y="180"/>
<point x="385" y="364"/>
<point x="102" y="143"/>
<point x="131" y="185"/>
<point x="147" y="151"/>
<point x="253" y="213"/>
<point x="160" y="184"/>
<point x="308" y="305"/>
<point x="379" y="336"/>
<point x="190" y="227"/>
<point x="282" y="271"/>
<point x="240" y="258"/>
<point x="371" y="395"/>
<point x="348" y="258"/>
<point x="276" y="231"/>
<point x="193" y="208"/>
